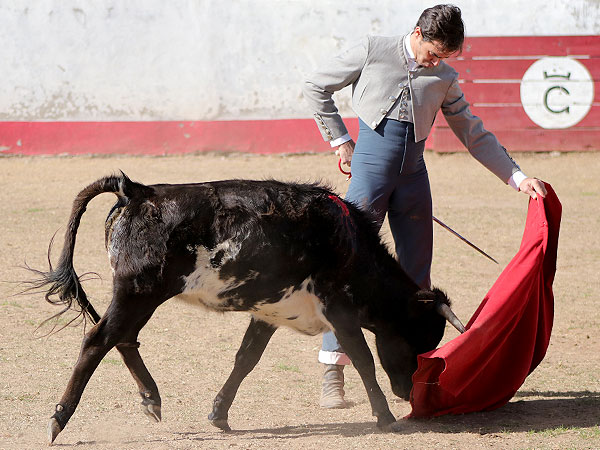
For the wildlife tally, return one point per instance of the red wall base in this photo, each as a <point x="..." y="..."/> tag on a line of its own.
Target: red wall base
<point x="162" y="138"/>
<point x="251" y="136"/>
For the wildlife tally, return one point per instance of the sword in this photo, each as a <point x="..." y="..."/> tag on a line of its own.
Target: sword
<point x="436" y="220"/>
<point x="466" y="241"/>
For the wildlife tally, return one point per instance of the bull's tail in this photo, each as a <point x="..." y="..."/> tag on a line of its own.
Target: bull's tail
<point x="62" y="284"/>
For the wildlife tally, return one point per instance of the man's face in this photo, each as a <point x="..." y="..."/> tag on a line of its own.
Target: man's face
<point x="428" y="53"/>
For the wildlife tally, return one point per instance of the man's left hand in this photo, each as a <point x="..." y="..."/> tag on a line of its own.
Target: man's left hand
<point x="533" y="187"/>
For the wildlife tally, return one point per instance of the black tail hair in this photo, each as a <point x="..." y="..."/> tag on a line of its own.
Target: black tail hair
<point x="62" y="284"/>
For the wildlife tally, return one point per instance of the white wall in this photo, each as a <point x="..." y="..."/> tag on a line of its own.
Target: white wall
<point x="208" y="60"/>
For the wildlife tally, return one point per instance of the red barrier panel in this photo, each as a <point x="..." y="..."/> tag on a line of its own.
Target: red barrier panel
<point x="535" y="93"/>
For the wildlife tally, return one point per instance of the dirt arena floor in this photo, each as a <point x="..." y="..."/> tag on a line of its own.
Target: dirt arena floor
<point x="190" y="351"/>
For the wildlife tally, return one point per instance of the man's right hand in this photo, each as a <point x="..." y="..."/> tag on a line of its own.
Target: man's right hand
<point x="345" y="152"/>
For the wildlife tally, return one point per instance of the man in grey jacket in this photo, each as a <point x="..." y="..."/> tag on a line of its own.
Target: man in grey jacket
<point x="398" y="86"/>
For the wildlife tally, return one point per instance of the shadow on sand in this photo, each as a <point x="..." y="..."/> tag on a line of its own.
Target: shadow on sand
<point x="554" y="410"/>
<point x="558" y="409"/>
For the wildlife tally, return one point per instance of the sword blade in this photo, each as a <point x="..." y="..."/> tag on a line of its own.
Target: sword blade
<point x="466" y="241"/>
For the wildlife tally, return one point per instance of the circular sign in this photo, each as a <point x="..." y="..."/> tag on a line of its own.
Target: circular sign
<point x="557" y="92"/>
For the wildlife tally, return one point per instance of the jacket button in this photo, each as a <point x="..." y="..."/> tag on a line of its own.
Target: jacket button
<point x="392" y="98"/>
<point x="383" y="111"/>
<point x="373" y="124"/>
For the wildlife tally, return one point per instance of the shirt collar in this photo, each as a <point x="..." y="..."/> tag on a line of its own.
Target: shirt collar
<point x="410" y="56"/>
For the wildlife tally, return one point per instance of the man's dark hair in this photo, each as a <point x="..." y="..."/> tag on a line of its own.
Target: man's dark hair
<point x="443" y="23"/>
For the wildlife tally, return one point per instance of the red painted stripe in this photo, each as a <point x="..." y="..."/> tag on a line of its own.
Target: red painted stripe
<point x="502" y="92"/>
<point x="163" y="138"/>
<point x="492" y="92"/>
<point x="511" y="126"/>
<point x="531" y="46"/>
<point x="572" y="139"/>
<point x="514" y="118"/>
<point x="513" y="69"/>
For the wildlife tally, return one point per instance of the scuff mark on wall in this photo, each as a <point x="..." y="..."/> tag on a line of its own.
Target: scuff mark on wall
<point x="79" y="15"/>
<point x="586" y="12"/>
<point x="72" y="106"/>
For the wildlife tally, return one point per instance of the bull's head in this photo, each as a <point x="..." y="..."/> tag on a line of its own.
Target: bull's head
<point x="419" y="330"/>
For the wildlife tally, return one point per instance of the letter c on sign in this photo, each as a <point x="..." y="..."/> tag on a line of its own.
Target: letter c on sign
<point x="547" y="105"/>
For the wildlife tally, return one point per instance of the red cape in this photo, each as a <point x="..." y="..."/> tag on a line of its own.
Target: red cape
<point x="508" y="335"/>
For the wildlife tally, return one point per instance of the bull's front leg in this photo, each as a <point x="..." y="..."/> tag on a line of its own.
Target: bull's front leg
<point x="253" y="345"/>
<point x="349" y="334"/>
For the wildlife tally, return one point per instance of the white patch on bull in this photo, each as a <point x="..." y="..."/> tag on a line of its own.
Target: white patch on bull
<point x="113" y="243"/>
<point x="299" y="309"/>
<point x="204" y="285"/>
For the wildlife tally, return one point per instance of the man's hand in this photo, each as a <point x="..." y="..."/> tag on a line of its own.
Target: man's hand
<point x="533" y="187"/>
<point x="345" y="152"/>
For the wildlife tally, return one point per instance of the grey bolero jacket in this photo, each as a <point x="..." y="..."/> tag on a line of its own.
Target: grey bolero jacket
<point x="377" y="69"/>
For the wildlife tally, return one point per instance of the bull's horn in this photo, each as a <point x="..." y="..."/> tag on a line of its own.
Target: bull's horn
<point x="445" y="311"/>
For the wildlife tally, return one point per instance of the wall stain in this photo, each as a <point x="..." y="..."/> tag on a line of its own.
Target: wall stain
<point x="587" y="12"/>
<point x="72" y="106"/>
<point x="80" y="15"/>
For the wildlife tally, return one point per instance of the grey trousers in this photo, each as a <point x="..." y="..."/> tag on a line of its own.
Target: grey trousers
<point x="389" y="176"/>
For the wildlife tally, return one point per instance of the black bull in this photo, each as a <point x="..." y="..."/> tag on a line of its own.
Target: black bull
<point x="290" y="254"/>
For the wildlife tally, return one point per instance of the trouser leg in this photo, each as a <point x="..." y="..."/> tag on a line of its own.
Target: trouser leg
<point x="410" y="218"/>
<point x="331" y="351"/>
<point x="375" y="162"/>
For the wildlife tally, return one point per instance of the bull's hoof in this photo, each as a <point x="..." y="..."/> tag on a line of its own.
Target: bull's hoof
<point x="385" y="421"/>
<point x="219" y="423"/>
<point x="53" y="429"/>
<point x="394" y="427"/>
<point x="152" y="411"/>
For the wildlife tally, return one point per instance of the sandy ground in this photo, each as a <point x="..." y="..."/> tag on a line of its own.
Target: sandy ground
<point x="190" y="351"/>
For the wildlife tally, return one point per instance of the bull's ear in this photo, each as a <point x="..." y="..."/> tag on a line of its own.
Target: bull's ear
<point x="425" y="296"/>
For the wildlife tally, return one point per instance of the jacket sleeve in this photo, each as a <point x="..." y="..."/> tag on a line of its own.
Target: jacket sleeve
<point x="319" y="87"/>
<point x="482" y="144"/>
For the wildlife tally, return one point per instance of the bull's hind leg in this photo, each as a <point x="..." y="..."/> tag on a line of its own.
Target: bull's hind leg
<point x="93" y="349"/>
<point x="115" y="326"/>
<point x="350" y="336"/>
<point x="151" y="402"/>
<point x="253" y="345"/>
